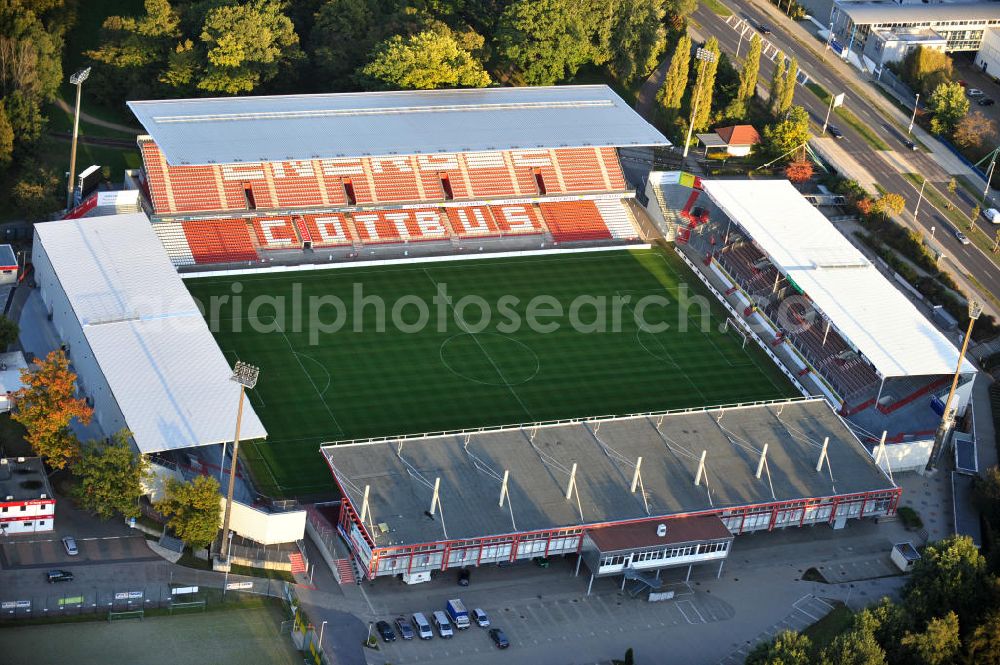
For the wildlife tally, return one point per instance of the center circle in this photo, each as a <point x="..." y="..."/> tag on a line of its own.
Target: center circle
<point x="490" y="359"/>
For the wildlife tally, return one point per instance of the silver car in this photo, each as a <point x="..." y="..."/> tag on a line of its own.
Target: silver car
<point x="69" y="542"/>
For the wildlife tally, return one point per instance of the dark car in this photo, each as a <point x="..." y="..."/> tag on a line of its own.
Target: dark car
<point x="835" y="131"/>
<point x="763" y="29"/>
<point x="385" y="631"/>
<point x="986" y="101"/>
<point x="405" y="628"/>
<point x="499" y="638"/>
<point x="910" y="144"/>
<point x="463" y="577"/>
<point x="54" y="576"/>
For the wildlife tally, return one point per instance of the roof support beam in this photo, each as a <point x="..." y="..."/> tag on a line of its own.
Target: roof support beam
<point x="822" y="455"/>
<point x="635" y="476"/>
<point x="364" y="504"/>
<point x="503" y="486"/>
<point x="436" y="497"/>
<point x="572" y="483"/>
<point x="701" y="468"/>
<point x="763" y="460"/>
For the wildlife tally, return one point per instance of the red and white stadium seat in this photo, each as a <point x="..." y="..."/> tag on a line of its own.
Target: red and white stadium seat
<point x="574" y="220"/>
<point x="517" y="219"/>
<point x="171" y="234"/>
<point x="385" y="226"/>
<point x="219" y="240"/>
<point x="472" y="221"/>
<point x="617" y="218"/>
<point x="276" y="233"/>
<point x="328" y="230"/>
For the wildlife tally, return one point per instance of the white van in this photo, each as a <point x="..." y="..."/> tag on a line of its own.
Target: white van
<point x="992" y="215"/>
<point x="443" y="625"/>
<point x="423" y="626"/>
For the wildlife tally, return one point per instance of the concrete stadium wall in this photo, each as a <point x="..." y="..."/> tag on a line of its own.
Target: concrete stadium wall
<point x="405" y="261"/>
<point x="90" y="378"/>
<point x="266" y="528"/>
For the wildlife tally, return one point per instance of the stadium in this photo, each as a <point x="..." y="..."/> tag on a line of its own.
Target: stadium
<point x="470" y="332"/>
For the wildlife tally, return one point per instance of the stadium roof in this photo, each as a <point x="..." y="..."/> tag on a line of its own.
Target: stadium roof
<point x="164" y="368"/>
<point x="867" y="13"/>
<point x="401" y="474"/>
<point x="870" y="312"/>
<point x="294" y="127"/>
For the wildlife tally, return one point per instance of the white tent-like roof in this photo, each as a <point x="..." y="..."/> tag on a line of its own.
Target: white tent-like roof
<point x="382" y="124"/>
<point x="869" y="311"/>
<point x="168" y="376"/>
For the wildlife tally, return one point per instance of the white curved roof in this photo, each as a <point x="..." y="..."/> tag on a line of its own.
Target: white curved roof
<point x="168" y="376"/>
<point x="870" y="312"/>
<point x="293" y="127"/>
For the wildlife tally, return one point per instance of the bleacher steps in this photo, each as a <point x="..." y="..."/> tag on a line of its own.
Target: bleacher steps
<point x="617" y="218"/>
<point x="171" y="234"/>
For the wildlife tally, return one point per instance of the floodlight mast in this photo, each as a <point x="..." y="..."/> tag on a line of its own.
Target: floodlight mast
<point x="947" y="419"/>
<point x="707" y="56"/>
<point x="76" y="79"/>
<point x="246" y="375"/>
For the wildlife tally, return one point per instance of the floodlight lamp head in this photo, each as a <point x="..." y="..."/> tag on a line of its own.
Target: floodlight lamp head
<point x="975" y="309"/>
<point x="705" y="54"/>
<point x="80" y="76"/>
<point x="245" y="374"/>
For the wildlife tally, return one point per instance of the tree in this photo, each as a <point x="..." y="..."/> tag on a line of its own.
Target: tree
<point x="30" y="57"/>
<point x="25" y="116"/>
<point x="424" y="61"/>
<point x="889" y="203"/>
<point x="9" y="331"/>
<point x="972" y="130"/>
<point x="799" y="171"/>
<point x="748" y="80"/>
<point x="6" y="139"/>
<point x="937" y="645"/>
<point x="672" y="92"/>
<point x="640" y="38"/>
<point x="706" y="75"/>
<point x="951" y="573"/>
<point x="35" y="194"/>
<point x="788" y="86"/>
<point x="924" y="69"/>
<point x="341" y="37"/>
<point x="788" y="648"/>
<point x="776" y="93"/>
<point x="785" y="135"/>
<point x="855" y="647"/>
<point x="546" y="40"/>
<point x="952" y="186"/>
<point x="247" y="44"/>
<point x="983" y="646"/>
<point x="192" y="509"/>
<point x="46" y="406"/>
<point x="947" y="104"/>
<point x="111" y="476"/>
<point x="679" y="10"/>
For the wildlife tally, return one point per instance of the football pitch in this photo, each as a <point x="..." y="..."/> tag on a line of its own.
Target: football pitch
<point x="353" y="353"/>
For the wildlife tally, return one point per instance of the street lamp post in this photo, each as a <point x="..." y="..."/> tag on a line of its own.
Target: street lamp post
<point x="246" y="375"/>
<point x="916" y="103"/>
<point x="321" y="627"/>
<point x="706" y="56"/>
<point x="740" y="43"/>
<point x="989" y="174"/>
<point x="975" y="310"/>
<point x="76" y="79"/>
<point x="920" y="197"/>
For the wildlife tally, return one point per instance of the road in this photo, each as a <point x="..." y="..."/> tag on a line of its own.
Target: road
<point x="881" y="164"/>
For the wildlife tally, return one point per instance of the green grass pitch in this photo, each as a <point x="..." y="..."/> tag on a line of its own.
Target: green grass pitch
<point x="317" y="388"/>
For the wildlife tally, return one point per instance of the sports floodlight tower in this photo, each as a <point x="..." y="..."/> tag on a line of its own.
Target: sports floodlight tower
<point x="245" y="375"/>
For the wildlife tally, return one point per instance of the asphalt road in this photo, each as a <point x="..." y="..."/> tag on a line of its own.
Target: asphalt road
<point x="969" y="257"/>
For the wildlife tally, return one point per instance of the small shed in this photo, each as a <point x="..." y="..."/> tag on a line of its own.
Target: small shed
<point x="736" y="140"/>
<point x="905" y="556"/>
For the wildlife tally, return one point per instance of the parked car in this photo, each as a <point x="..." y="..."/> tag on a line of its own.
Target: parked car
<point x="54" y="576"/>
<point x="385" y="631"/>
<point x="962" y="238"/>
<point x="481" y="618"/>
<point x="986" y="101"/>
<point x="443" y="625"/>
<point x="763" y="29"/>
<point x="499" y="638"/>
<point x="910" y="144"/>
<point x="835" y="131"/>
<point x="974" y="92"/>
<point x="463" y="577"/>
<point x="404" y="628"/>
<point x="69" y="542"/>
<point x="423" y="626"/>
<point x="992" y="215"/>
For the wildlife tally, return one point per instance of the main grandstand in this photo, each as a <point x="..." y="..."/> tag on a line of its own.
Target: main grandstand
<point x="496" y="193"/>
<point x="826" y="312"/>
<point x="262" y="179"/>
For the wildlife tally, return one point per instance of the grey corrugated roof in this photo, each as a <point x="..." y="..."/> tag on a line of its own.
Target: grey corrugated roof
<point x="470" y="470"/>
<point x="866" y="13"/>
<point x="295" y="127"/>
<point x="163" y="366"/>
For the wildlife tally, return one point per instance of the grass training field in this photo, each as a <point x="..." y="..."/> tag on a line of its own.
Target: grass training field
<point x="365" y="380"/>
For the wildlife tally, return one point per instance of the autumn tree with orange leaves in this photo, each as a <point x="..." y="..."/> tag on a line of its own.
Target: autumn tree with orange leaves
<point x="46" y="405"/>
<point x="799" y="171"/>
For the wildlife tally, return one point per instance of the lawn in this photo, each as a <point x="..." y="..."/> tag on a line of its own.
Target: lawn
<point x="367" y="381"/>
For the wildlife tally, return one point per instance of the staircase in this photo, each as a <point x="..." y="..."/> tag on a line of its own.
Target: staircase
<point x="298" y="563"/>
<point x="345" y="571"/>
